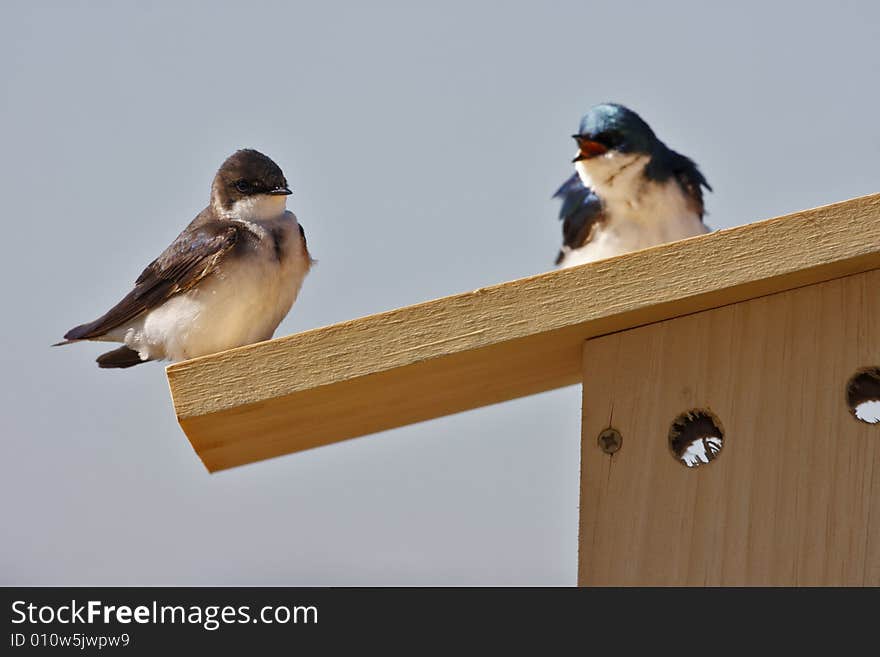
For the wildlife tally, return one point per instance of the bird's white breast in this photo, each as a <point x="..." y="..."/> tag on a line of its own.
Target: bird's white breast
<point x="241" y="302"/>
<point x="638" y="212"/>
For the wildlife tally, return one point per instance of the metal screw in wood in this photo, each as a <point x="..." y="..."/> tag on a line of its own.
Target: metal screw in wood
<point x="610" y="440"/>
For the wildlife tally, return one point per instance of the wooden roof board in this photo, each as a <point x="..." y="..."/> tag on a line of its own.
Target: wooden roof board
<point x="495" y="343"/>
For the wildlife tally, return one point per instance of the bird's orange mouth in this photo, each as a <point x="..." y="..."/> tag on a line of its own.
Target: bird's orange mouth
<point x="588" y="148"/>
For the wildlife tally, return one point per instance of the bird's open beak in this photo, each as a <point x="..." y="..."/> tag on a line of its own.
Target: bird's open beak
<point x="588" y="148"/>
<point x="280" y="191"/>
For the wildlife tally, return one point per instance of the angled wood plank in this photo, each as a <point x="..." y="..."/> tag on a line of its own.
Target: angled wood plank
<point x="495" y="343"/>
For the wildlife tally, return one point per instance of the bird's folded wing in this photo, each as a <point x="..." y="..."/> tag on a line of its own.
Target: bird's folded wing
<point x="690" y="179"/>
<point x="580" y="210"/>
<point x="190" y="258"/>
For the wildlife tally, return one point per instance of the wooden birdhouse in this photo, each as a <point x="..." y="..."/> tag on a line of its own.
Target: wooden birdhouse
<point x="730" y="389"/>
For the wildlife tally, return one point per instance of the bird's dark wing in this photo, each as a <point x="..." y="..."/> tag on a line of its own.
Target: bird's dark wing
<point x="190" y="258"/>
<point x="581" y="210"/>
<point x="690" y="178"/>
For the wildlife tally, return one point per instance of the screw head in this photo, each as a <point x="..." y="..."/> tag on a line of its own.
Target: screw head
<point x="610" y="440"/>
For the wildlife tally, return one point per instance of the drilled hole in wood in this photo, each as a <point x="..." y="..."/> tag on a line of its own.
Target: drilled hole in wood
<point x="696" y="437"/>
<point x="863" y="395"/>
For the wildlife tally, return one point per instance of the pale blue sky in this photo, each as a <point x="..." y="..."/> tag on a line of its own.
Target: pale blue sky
<point x="423" y="143"/>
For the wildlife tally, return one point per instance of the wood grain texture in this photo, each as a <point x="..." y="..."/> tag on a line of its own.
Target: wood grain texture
<point x="495" y="343"/>
<point x="793" y="498"/>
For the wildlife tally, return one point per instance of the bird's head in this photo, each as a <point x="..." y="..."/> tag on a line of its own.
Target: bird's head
<point x="611" y="128"/>
<point x="612" y="140"/>
<point x="249" y="185"/>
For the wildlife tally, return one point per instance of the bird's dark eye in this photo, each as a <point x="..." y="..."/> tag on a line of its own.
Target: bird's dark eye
<point x="243" y="186"/>
<point x="610" y="138"/>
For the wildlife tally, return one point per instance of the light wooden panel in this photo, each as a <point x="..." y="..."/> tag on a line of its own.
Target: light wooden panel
<point x="794" y="496"/>
<point x="495" y="343"/>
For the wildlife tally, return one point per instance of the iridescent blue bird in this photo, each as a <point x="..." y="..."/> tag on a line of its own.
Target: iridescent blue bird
<point x="629" y="190"/>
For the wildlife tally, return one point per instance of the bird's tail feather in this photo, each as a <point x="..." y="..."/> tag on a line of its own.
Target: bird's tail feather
<point x="119" y="358"/>
<point x="82" y="332"/>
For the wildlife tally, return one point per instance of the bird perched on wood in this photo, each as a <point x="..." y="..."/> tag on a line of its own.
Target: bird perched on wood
<point x="227" y="280"/>
<point x="629" y="190"/>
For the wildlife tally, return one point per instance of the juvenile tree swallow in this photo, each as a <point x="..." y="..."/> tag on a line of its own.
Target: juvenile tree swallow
<point x="629" y="191"/>
<point x="227" y="280"/>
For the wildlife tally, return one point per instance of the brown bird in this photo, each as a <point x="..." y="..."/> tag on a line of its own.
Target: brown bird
<point x="227" y="280"/>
